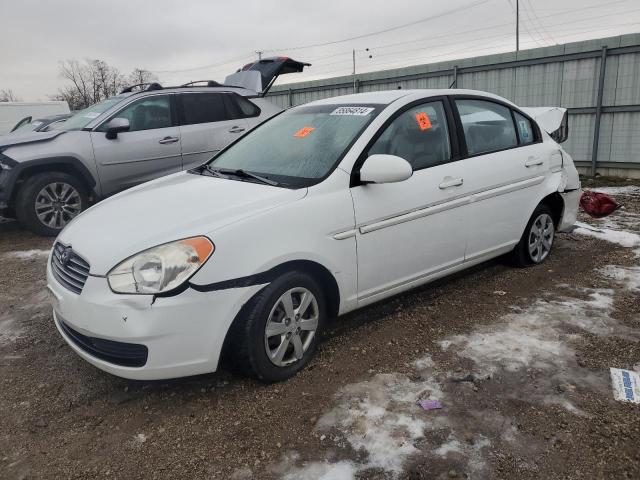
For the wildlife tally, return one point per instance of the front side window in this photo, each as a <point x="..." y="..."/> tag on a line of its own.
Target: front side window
<point x="202" y="108"/>
<point x="145" y="114"/>
<point x="419" y="135"/>
<point x="525" y="131"/>
<point x="488" y="126"/>
<point x="300" y="146"/>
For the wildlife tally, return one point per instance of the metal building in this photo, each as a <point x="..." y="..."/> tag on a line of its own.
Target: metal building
<point x="597" y="80"/>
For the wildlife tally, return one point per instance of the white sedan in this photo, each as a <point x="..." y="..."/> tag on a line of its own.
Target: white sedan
<point x="326" y="208"/>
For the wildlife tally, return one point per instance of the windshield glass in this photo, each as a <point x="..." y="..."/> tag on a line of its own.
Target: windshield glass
<point x="300" y="146"/>
<point x="88" y="115"/>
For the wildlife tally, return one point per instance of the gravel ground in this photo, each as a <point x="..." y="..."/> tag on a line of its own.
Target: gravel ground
<point x="518" y="358"/>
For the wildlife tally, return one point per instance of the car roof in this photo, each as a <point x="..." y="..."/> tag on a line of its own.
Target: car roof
<point x="387" y="97"/>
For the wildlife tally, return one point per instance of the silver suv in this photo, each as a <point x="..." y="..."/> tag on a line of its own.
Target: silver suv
<point x="47" y="178"/>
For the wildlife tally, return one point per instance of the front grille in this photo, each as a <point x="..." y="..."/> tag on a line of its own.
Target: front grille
<point x="69" y="268"/>
<point x="118" y="353"/>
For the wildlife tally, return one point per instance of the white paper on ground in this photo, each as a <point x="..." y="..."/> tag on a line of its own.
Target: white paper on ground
<point x="626" y="385"/>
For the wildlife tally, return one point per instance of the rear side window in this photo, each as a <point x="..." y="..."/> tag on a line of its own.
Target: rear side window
<point x="146" y="114"/>
<point x="202" y="108"/>
<point x="419" y="135"/>
<point x="488" y="126"/>
<point x="239" y="107"/>
<point x="525" y="132"/>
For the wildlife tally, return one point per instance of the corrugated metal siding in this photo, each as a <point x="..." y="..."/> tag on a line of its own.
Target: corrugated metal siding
<point x="548" y="79"/>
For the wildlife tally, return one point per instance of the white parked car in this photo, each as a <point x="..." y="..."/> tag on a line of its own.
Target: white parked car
<point x="323" y="209"/>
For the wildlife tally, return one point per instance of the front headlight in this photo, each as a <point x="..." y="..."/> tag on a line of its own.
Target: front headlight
<point x="162" y="268"/>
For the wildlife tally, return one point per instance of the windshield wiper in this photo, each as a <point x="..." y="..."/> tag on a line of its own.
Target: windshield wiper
<point x="243" y="173"/>
<point x="214" y="172"/>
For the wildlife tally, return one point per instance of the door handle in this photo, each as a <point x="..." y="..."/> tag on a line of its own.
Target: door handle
<point x="236" y="129"/>
<point x="450" y="182"/>
<point x="166" y="140"/>
<point x="533" y="161"/>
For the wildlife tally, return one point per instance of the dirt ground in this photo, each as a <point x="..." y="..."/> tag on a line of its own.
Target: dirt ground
<point x="518" y="358"/>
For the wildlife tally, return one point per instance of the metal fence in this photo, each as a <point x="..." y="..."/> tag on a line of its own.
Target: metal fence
<point x="598" y="81"/>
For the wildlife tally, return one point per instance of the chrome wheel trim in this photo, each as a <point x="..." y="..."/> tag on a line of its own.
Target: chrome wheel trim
<point x="56" y="204"/>
<point x="291" y="326"/>
<point x="541" y="237"/>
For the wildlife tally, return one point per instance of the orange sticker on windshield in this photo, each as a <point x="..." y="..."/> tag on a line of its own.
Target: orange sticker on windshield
<point x="423" y="121"/>
<point x="303" y="132"/>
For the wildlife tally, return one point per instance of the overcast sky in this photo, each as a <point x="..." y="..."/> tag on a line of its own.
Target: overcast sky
<point x="173" y="38"/>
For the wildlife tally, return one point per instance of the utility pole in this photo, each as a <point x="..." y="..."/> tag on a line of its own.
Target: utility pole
<point x="354" y="70"/>
<point x="355" y="86"/>
<point x="517" y="25"/>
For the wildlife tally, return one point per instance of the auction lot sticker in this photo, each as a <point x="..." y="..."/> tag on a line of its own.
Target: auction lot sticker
<point x="626" y="385"/>
<point x="357" y="111"/>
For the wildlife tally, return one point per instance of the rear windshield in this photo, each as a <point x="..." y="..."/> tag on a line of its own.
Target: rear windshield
<point x="89" y="114"/>
<point x="300" y="146"/>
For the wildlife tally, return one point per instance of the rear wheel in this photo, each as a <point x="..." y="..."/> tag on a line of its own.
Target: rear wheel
<point x="48" y="201"/>
<point x="277" y="333"/>
<point x="537" y="240"/>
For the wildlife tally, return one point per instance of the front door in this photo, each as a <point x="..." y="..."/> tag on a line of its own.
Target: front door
<point x="150" y="149"/>
<point x="413" y="230"/>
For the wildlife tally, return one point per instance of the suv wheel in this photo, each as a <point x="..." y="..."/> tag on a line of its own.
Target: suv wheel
<point x="48" y="201"/>
<point x="276" y="334"/>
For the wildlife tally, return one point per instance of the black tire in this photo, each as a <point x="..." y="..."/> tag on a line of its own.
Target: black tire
<point x="521" y="255"/>
<point x="25" y="204"/>
<point x="246" y="346"/>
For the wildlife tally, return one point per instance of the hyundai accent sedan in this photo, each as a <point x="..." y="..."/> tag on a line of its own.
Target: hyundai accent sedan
<point x="323" y="209"/>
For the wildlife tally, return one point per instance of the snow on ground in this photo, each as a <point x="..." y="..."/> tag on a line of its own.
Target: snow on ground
<point x="627" y="190"/>
<point x="9" y="329"/>
<point x="621" y="227"/>
<point x="628" y="277"/>
<point x="28" y="254"/>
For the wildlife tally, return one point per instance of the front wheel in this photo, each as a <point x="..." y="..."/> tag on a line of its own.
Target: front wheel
<point x="537" y="240"/>
<point x="277" y="334"/>
<point x="48" y="201"/>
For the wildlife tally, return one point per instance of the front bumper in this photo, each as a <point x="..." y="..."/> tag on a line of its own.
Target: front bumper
<point x="183" y="334"/>
<point x="570" y="212"/>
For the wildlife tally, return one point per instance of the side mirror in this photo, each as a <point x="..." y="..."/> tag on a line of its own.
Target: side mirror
<point x="385" y="169"/>
<point x="115" y="126"/>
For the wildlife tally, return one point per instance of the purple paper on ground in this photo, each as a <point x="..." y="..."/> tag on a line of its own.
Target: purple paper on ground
<point x="430" y="404"/>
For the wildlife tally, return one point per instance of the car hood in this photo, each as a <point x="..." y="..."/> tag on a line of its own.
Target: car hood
<point x="12" y="139"/>
<point x="170" y="208"/>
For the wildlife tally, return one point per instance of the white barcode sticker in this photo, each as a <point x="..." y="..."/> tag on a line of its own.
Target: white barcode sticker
<point x="626" y="385"/>
<point x="358" y="111"/>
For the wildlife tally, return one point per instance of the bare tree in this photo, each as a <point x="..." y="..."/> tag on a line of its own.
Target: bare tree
<point x="8" y="96"/>
<point x="91" y="81"/>
<point x="140" y="75"/>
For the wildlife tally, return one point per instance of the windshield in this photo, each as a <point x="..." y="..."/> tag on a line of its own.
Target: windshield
<point x="300" y="146"/>
<point x="88" y="115"/>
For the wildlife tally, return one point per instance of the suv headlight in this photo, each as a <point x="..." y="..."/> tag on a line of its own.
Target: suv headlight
<point x="162" y="268"/>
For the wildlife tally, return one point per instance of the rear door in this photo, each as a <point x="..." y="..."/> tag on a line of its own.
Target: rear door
<point x="150" y="149"/>
<point x="206" y="126"/>
<point x="505" y="166"/>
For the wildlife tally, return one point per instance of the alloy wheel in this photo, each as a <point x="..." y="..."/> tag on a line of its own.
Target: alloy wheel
<point x="291" y="326"/>
<point x="541" y="237"/>
<point x="56" y="204"/>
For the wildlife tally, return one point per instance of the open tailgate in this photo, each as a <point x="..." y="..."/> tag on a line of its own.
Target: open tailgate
<point x="259" y="76"/>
